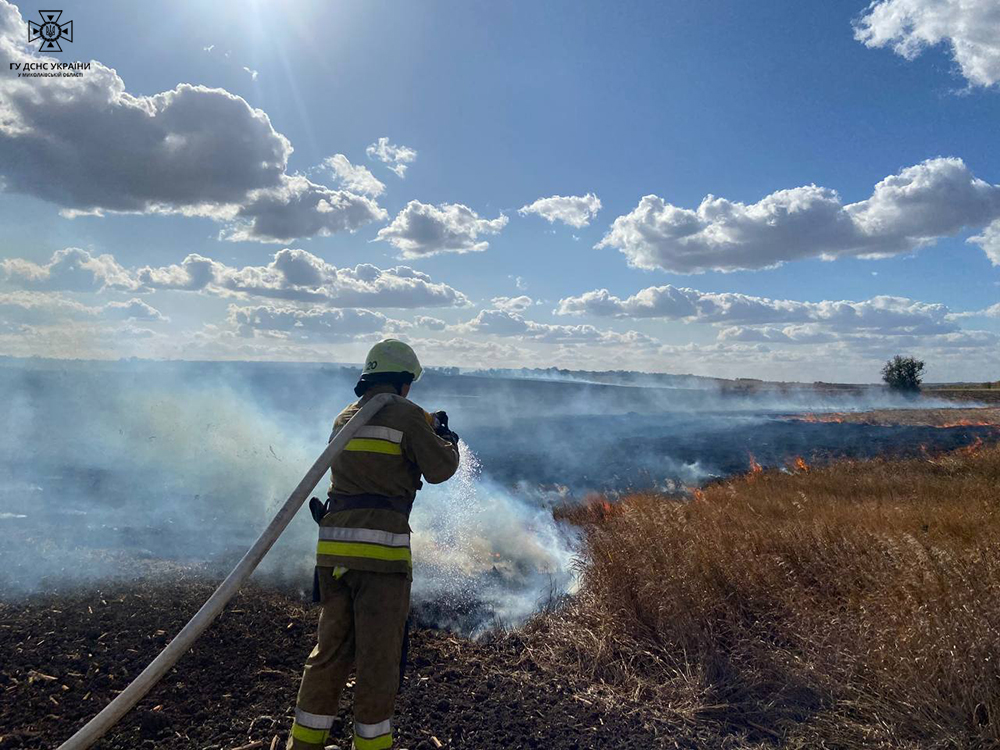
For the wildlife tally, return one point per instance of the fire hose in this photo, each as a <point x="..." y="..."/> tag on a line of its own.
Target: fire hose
<point x="111" y="714"/>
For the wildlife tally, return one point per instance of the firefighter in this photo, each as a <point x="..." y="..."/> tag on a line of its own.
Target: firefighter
<point x="363" y="564"/>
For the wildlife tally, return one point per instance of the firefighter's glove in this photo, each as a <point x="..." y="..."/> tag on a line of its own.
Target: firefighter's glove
<point x="441" y="427"/>
<point x="318" y="508"/>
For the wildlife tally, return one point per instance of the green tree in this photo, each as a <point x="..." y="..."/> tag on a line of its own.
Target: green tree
<point x="903" y="374"/>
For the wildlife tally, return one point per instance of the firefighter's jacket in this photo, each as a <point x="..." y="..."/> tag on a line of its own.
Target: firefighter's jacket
<point x="374" y="481"/>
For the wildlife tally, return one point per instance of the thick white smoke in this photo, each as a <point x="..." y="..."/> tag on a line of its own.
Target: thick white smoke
<point x="478" y="546"/>
<point x="111" y="474"/>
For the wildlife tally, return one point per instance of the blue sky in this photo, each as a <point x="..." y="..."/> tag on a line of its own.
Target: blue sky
<point x="505" y="104"/>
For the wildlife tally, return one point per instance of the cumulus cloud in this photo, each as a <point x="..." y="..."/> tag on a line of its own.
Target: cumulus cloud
<point x="88" y="145"/>
<point x="292" y="274"/>
<point x="71" y="270"/>
<point x="300" y="208"/>
<point x="314" y="324"/>
<point x="134" y="309"/>
<point x="574" y="210"/>
<point x="469" y="352"/>
<point x="45" y="308"/>
<point x="989" y="241"/>
<point x="513" y="304"/>
<point x="395" y="157"/>
<point x="971" y="28"/>
<point x="506" y="323"/>
<point x="885" y="315"/>
<point x="844" y="333"/>
<point x="422" y="229"/>
<point x="431" y="324"/>
<point x="354" y="177"/>
<point x="933" y="199"/>
<point x="298" y="275"/>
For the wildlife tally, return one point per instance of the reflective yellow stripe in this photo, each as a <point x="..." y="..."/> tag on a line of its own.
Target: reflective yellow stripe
<point x="370" y="445"/>
<point x="382" y="742"/>
<point x="313" y="736"/>
<point x="360" y="549"/>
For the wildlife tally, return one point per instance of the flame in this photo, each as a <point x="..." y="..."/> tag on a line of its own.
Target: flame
<point x="801" y="464"/>
<point x="755" y="468"/>
<point x="698" y="494"/>
<point x="821" y="418"/>
<point x="972" y="448"/>
<point x="883" y="418"/>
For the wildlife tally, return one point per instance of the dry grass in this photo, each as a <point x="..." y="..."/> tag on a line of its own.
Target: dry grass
<point x="855" y="605"/>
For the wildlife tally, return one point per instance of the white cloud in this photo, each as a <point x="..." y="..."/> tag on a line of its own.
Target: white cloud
<point x="467" y="352"/>
<point x="300" y="208"/>
<point x="971" y="28"/>
<point x="769" y="334"/>
<point x="788" y="339"/>
<point x="513" y="304"/>
<point x="292" y="274"/>
<point x="89" y="146"/>
<point x="422" y="229"/>
<point x="989" y="241"/>
<point x="298" y="275"/>
<point x="922" y="203"/>
<point x="431" y="324"/>
<point x="134" y="309"/>
<point x="314" y="324"/>
<point x="354" y="177"/>
<point x="884" y="315"/>
<point x="574" y="210"/>
<point x="506" y="323"/>
<point x="993" y="311"/>
<point x="44" y="308"/>
<point x="395" y="157"/>
<point x="72" y="270"/>
<point x="253" y="73"/>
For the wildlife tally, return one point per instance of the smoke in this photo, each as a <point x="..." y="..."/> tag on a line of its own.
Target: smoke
<point x="110" y="470"/>
<point x="480" y="551"/>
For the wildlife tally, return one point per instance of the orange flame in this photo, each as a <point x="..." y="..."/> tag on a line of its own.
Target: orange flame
<point x="972" y="448"/>
<point x="755" y="468"/>
<point x="801" y="464"/>
<point x="820" y="418"/>
<point x="966" y="423"/>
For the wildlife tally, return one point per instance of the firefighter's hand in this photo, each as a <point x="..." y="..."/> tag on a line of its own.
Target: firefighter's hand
<point x="441" y="428"/>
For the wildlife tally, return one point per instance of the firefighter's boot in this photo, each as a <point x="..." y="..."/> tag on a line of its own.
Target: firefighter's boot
<point x="362" y="619"/>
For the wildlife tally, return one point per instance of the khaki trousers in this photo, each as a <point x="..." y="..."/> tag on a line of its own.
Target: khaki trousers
<point x="361" y="623"/>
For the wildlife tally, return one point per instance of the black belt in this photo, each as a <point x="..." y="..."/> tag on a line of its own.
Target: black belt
<point x="369" y="502"/>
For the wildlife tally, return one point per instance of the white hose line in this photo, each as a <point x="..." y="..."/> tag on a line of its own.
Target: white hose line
<point x="94" y="729"/>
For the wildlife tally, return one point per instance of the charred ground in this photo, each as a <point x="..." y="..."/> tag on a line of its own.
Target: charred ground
<point x="814" y="605"/>
<point x="66" y="655"/>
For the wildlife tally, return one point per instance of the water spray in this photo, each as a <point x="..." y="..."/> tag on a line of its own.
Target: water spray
<point x="94" y="729"/>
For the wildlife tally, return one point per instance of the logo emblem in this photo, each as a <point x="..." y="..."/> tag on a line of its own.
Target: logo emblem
<point x="50" y="31"/>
